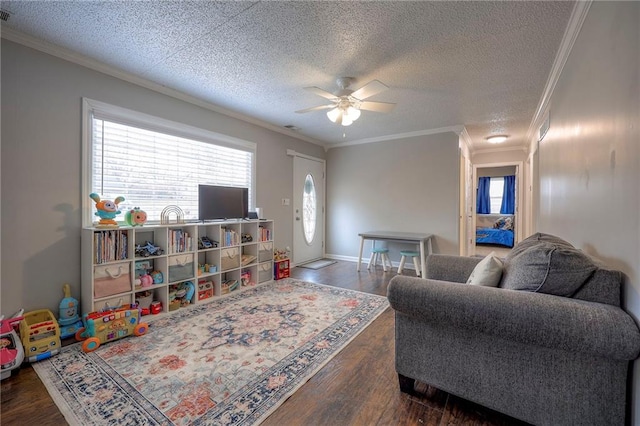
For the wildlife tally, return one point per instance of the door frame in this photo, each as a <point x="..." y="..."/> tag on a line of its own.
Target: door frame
<point x="293" y="154"/>
<point x="519" y="196"/>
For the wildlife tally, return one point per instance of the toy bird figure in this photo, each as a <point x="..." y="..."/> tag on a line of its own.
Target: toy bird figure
<point x="107" y="210"/>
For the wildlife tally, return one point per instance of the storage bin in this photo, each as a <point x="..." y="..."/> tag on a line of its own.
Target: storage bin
<point x="265" y="252"/>
<point x="265" y="272"/>
<point x="111" y="279"/>
<point x="181" y="267"/>
<point x="229" y="259"/>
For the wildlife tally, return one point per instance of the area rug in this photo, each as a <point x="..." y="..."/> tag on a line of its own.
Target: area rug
<point x="232" y="361"/>
<point x="318" y="264"/>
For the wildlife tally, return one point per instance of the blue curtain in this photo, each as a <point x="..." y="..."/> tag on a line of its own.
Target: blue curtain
<point x="483" y="202"/>
<point x="509" y="196"/>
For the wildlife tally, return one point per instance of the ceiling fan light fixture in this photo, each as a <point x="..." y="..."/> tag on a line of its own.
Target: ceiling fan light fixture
<point x="354" y="113"/>
<point x="497" y="139"/>
<point x="346" y="120"/>
<point x="334" y="114"/>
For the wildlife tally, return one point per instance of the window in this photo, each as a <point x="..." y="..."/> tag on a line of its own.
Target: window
<point x="309" y="209"/>
<point x="154" y="163"/>
<point x="496" y="187"/>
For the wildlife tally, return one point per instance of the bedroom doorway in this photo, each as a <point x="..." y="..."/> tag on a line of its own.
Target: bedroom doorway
<point x="497" y="218"/>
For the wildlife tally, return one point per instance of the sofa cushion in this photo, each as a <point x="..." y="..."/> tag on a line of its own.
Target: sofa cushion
<point x="488" y="272"/>
<point x="534" y="240"/>
<point x="548" y="267"/>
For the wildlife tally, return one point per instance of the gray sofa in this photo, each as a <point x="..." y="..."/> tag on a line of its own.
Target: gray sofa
<point x="549" y="359"/>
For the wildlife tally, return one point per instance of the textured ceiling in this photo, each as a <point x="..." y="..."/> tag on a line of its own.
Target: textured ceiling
<point x="481" y="64"/>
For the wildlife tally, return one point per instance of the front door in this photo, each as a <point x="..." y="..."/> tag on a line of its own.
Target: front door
<point x="308" y="209"/>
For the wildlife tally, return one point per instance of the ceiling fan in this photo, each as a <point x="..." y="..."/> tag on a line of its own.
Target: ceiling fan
<point x="346" y="104"/>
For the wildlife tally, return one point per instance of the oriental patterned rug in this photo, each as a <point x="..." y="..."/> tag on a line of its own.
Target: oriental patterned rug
<point x="232" y="361"/>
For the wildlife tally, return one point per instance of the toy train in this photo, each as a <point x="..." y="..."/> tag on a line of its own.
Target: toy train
<point x="110" y="324"/>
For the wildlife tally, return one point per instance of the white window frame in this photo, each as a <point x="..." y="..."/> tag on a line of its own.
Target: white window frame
<point x="149" y="122"/>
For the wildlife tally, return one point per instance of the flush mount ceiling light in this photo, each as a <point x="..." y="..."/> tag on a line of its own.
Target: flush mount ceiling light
<point x="346" y="104"/>
<point x="497" y="139"/>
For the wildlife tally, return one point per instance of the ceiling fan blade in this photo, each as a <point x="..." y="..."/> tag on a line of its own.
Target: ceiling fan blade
<point x="316" y="108"/>
<point x="369" y="89"/>
<point x="377" y="106"/>
<point x="318" y="91"/>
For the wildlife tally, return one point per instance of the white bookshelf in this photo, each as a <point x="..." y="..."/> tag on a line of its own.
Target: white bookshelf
<point x="110" y="268"/>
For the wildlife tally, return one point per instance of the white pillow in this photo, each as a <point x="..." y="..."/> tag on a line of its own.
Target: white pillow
<point x="487" y="272"/>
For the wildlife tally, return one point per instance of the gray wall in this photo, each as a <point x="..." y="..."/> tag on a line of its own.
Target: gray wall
<point x="496" y="171"/>
<point x="408" y="185"/>
<point x="41" y="167"/>
<point x="589" y="161"/>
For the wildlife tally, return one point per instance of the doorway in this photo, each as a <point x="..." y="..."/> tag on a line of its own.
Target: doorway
<point x="498" y="171"/>
<point x="308" y="209"/>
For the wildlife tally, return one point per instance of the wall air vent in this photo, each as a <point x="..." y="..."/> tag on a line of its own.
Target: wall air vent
<point x="544" y="128"/>
<point x="4" y="15"/>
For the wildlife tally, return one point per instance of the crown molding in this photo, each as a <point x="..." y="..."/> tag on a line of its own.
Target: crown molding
<point x="455" y="129"/>
<point x="79" y="59"/>
<point x="571" y="33"/>
<point x="465" y="143"/>
<point x="500" y="149"/>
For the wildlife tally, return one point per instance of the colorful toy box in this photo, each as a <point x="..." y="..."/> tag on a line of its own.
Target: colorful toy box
<point x="110" y="324"/>
<point x="40" y="335"/>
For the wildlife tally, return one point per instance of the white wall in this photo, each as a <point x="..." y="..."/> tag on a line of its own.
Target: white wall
<point x="408" y="185"/>
<point x="589" y="161"/>
<point x="41" y="167"/>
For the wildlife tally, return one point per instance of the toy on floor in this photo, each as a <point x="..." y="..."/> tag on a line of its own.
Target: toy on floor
<point x="11" y="352"/>
<point x="68" y="318"/>
<point x="107" y="210"/>
<point x="110" y="324"/>
<point x="40" y="335"/>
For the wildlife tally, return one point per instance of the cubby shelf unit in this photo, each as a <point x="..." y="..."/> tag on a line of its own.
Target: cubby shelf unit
<point x="242" y="252"/>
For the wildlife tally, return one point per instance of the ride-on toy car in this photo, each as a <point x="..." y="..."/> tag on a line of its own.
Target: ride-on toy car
<point x="11" y="351"/>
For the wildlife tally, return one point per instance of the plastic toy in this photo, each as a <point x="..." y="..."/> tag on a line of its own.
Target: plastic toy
<point x="156" y="307"/>
<point x="11" y="351"/>
<point x="148" y="249"/>
<point x="205" y="290"/>
<point x="109" y="325"/>
<point x="146" y="280"/>
<point x="107" y="210"/>
<point x="157" y="276"/>
<point x="68" y="318"/>
<point x="206" y="242"/>
<point x="135" y="217"/>
<point x="191" y="290"/>
<point x="40" y="335"/>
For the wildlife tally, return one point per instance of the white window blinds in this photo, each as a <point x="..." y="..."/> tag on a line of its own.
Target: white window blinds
<point x="496" y="187"/>
<point x="154" y="169"/>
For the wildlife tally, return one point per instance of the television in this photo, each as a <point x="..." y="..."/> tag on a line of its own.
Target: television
<point x="222" y="202"/>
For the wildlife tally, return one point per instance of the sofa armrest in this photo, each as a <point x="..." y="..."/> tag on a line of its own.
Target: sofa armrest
<point x="445" y="267"/>
<point x="530" y="318"/>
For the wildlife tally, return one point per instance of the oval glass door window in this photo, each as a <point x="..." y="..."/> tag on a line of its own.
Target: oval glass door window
<point x="309" y="209"/>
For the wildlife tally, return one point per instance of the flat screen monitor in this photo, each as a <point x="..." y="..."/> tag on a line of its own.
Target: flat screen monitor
<point x="222" y="202"/>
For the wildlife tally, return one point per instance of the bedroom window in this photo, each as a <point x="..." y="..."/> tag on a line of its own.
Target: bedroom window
<point x="496" y="188"/>
<point x="154" y="163"/>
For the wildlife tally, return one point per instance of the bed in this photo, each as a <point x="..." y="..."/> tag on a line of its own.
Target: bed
<point x="495" y="229"/>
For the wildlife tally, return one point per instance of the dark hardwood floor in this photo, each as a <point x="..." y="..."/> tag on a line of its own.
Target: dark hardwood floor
<point x="357" y="387"/>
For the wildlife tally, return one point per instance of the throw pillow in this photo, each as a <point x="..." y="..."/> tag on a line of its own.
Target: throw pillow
<point x="487" y="272"/>
<point x="534" y="240"/>
<point x="548" y="268"/>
